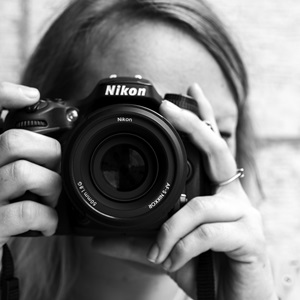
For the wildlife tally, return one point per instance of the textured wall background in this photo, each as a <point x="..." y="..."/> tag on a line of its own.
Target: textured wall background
<point x="22" y="23"/>
<point x="268" y="35"/>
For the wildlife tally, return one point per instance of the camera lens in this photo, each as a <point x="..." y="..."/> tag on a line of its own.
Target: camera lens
<point x="124" y="167"/>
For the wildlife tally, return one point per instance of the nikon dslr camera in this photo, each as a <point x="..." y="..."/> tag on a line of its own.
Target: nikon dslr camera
<point x="125" y="168"/>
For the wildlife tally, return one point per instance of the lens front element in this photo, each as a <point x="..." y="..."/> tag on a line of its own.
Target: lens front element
<point x="123" y="168"/>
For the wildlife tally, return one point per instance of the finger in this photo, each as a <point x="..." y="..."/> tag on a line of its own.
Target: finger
<point x="21" y="176"/>
<point x="242" y="241"/>
<point x="204" y="107"/>
<point x="218" y="237"/>
<point x="19" y="217"/>
<point x="200" y="210"/>
<point x="181" y="119"/>
<point x="13" y="96"/>
<point x="220" y="162"/>
<point x="18" y="144"/>
<point x="124" y="247"/>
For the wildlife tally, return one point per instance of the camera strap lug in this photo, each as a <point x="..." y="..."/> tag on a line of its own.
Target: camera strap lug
<point x="183" y="199"/>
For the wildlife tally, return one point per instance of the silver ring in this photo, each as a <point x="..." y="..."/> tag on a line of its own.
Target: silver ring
<point x="208" y="124"/>
<point x="239" y="174"/>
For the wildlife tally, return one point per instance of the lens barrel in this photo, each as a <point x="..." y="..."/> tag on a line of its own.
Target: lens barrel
<point x="124" y="165"/>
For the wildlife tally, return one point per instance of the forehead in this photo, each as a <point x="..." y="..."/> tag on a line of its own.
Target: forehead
<point x="166" y="55"/>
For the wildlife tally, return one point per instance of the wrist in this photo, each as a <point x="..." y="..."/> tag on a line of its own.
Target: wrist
<point x="246" y="280"/>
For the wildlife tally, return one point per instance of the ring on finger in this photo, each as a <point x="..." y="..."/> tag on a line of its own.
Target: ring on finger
<point x="239" y="174"/>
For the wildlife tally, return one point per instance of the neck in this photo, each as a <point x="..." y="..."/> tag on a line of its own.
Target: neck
<point x="101" y="277"/>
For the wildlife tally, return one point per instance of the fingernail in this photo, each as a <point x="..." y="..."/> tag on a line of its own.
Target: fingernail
<point x="29" y="93"/>
<point x="167" y="264"/>
<point x="153" y="253"/>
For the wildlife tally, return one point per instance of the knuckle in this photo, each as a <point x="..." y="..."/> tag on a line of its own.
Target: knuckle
<point x="166" y="229"/>
<point x="28" y="213"/>
<point x="200" y="205"/>
<point x="206" y="232"/>
<point x="19" y="170"/>
<point x="181" y="248"/>
<point x="10" y="140"/>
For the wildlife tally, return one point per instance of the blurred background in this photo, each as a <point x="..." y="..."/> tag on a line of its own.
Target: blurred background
<point x="267" y="33"/>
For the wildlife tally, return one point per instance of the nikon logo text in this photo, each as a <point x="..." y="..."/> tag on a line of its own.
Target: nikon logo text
<point x="121" y="119"/>
<point x="123" y="90"/>
<point x="160" y="197"/>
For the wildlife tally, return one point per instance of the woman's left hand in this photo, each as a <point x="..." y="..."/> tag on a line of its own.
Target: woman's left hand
<point x="225" y="222"/>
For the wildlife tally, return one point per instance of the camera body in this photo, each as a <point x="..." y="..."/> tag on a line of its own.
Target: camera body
<point x="125" y="168"/>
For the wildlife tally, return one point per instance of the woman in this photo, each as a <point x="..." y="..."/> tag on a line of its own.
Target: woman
<point x="173" y="44"/>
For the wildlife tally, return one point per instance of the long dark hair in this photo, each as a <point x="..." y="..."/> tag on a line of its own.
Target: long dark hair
<point x="57" y="65"/>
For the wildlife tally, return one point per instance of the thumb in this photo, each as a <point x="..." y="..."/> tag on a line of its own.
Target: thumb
<point x="13" y="96"/>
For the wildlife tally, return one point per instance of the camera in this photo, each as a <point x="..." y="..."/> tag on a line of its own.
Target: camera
<point x="125" y="168"/>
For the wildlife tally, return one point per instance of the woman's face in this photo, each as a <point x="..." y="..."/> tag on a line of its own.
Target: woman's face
<point x="172" y="60"/>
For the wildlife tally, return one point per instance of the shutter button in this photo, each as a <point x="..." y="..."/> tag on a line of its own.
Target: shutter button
<point x="37" y="106"/>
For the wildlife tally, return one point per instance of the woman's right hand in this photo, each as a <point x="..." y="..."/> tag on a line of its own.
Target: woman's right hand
<point x="28" y="162"/>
